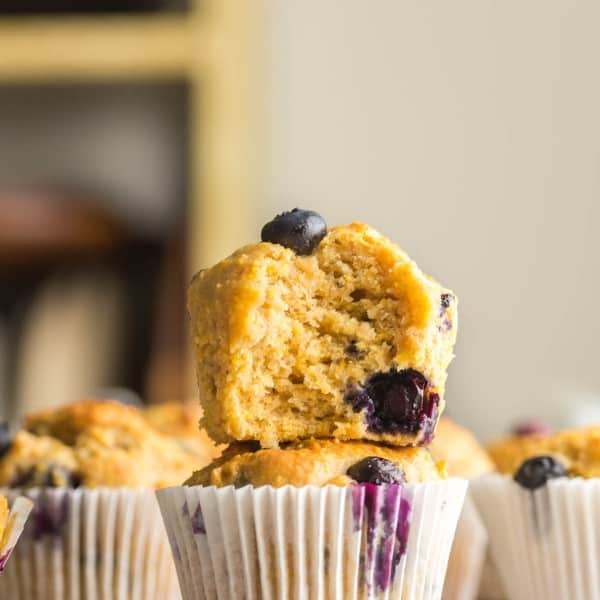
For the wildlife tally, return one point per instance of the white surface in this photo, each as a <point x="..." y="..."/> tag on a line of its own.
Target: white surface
<point x="470" y="133"/>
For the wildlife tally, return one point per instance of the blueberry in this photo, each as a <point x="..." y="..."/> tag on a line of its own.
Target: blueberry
<point x="353" y="350"/>
<point x="376" y="470"/>
<point x="397" y="402"/>
<point x="49" y="475"/>
<point x="300" y="230"/>
<point x="445" y="301"/>
<point x="5" y="439"/>
<point x="537" y="471"/>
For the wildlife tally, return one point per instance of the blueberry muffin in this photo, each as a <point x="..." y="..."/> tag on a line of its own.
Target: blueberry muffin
<point x="181" y="422"/>
<point x="459" y="449"/>
<point x="321" y="333"/>
<point x="319" y="462"/>
<point x="93" y="444"/>
<point x="573" y="453"/>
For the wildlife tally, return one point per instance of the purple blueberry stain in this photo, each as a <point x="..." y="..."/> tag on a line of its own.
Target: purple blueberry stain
<point x="49" y="515"/>
<point x="385" y="511"/>
<point x="445" y="302"/>
<point x="4" y="558"/>
<point x="397" y="402"/>
<point x="198" y="526"/>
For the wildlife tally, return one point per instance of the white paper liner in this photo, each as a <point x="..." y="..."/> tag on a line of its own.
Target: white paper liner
<point x="292" y="543"/>
<point x="83" y="544"/>
<point x="17" y="518"/>
<point x="467" y="556"/>
<point x="544" y="543"/>
<point x="490" y="587"/>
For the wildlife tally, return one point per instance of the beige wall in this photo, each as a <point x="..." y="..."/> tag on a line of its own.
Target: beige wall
<point x="469" y="131"/>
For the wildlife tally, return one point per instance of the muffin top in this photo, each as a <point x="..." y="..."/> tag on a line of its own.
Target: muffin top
<point x="94" y="443"/>
<point x="459" y="448"/>
<point x="578" y="450"/>
<point x="318" y="462"/>
<point x="181" y="421"/>
<point x="342" y="337"/>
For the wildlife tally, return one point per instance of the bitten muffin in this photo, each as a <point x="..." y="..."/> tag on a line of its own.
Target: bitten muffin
<point x="181" y="422"/>
<point x="92" y="444"/>
<point x="458" y="447"/>
<point x="319" y="463"/>
<point x="342" y="338"/>
<point x="576" y="450"/>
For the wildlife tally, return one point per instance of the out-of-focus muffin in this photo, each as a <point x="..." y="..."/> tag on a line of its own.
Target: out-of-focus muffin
<point x="3" y="516"/>
<point x="181" y="421"/>
<point x="94" y="443"/>
<point x="460" y="449"/>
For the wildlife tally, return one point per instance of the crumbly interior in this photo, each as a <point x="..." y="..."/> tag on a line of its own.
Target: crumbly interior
<point x="310" y="462"/>
<point x="279" y="338"/>
<point x="577" y="449"/>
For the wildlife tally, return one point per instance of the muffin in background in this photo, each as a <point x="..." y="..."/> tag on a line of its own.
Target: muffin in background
<point x="90" y="469"/>
<point x="543" y="513"/>
<point x="464" y="457"/>
<point x="181" y="421"/>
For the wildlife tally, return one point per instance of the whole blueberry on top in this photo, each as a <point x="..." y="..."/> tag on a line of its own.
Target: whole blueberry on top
<point x="298" y="229"/>
<point x="5" y="439"/>
<point x="537" y="471"/>
<point x="376" y="470"/>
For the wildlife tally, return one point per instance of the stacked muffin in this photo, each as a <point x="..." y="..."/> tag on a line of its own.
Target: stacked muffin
<point x="90" y="469"/>
<point x="321" y="358"/>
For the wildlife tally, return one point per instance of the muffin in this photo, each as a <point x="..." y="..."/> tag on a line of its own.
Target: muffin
<point x="543" y="513"/>
<point x="320" y="333"/>
<point x="464" y="457"/>
<point x="90" y="469"/>
<point x="314" y="518"/>
<point x="180" y="421"/>
<point x="321" y="358"/>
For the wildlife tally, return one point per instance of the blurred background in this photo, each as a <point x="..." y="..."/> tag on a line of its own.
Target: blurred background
<point x="141" y="140"/>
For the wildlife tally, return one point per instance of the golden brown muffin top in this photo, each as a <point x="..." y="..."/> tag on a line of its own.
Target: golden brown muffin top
<point x="94" y="443"/>
<point x="285" y="344"/>
<point x="182" y="421"/>
<point x="311" y="462"/>
<point x="577" y="449"/>
<point x="459" y="448"/>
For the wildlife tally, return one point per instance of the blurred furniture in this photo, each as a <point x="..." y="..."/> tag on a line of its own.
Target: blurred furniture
<point x="214" y="47"/>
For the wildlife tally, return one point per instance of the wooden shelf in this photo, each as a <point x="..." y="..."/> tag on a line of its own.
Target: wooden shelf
<point x="45" y="49"/>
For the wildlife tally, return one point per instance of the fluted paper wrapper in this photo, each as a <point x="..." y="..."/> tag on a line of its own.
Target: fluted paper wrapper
<point x="19" y="511"/>
<point x="345" y="543"/>
<point x="545" y="543"/>
<point x="490" y="587"/>
<point x="101" y="544"/>
<point x="467" y="556"/>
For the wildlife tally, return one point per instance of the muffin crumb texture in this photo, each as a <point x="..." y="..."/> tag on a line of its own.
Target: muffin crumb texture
<point x="350" y="342"/>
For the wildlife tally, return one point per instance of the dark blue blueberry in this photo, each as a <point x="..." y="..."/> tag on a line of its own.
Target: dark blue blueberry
<point x="50" y="475"/>
<point x="376" y="470"/>
<point x="537" y="471"/>
<point x="353" y="350"/>
<point x="300" y="230"/>
<point x="5" y="439"/>
<point x="397" y="402"/>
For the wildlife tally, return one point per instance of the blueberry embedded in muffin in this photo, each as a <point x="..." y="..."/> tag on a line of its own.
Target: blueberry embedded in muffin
<point x="535" y="472"/>
<point x="295" y="345"/>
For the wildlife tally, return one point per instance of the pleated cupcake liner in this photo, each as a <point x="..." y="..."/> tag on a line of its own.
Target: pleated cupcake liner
<point x="467" y="556"/>
<point x="345" y="543"/>
<point x="84" y="544"/>
<point x="544" y="543"/>
<point x="17" y="517"/>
